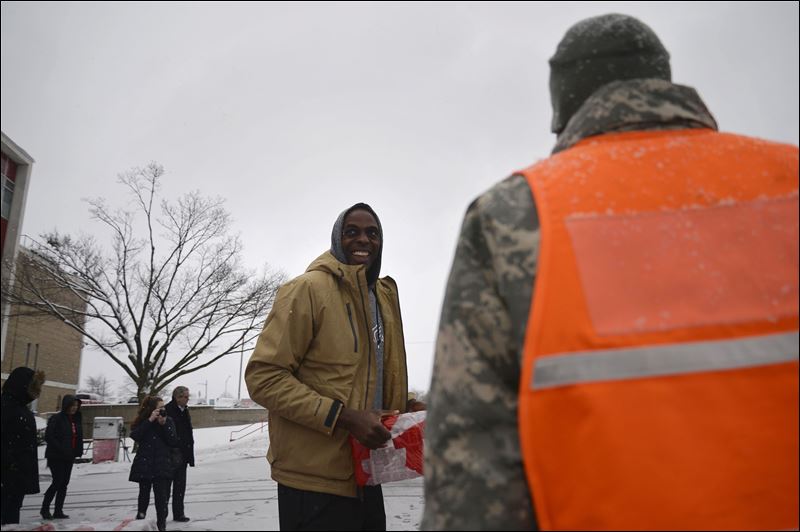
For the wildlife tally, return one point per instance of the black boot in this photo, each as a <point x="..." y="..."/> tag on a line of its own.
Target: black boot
<point x="161" y="525"/>
<point x="61" y="496"/>
<point x="140" y="515"/>
<point x="46" y="502"/>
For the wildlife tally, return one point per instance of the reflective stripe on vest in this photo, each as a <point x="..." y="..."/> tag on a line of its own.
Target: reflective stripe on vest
<point x="663" y="360"/>
<point x="659" y="383"/>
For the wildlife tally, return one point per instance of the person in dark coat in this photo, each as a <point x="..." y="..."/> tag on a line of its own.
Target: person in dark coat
<point x="64" y="437"/>
<point x="178" y="410"/>
<point x="20" y="468"/>
<point x="153" y="466"/>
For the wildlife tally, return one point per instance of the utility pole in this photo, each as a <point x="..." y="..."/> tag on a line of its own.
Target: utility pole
<point x="241" y="358"/>
<point x="206" y="385"/>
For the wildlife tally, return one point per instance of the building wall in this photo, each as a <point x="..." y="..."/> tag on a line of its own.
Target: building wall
<point x="59" y="354"/>
<point x="44" y="343"/>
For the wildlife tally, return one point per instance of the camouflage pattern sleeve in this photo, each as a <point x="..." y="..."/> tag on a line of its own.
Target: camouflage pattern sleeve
<point x="474" y="479"/>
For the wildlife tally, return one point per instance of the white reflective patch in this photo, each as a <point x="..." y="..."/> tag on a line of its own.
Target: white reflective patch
<point x="663" y="360"/>
<point x="666" y="270"/>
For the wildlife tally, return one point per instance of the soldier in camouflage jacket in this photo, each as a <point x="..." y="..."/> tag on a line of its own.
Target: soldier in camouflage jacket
<point x="474" y="476"/>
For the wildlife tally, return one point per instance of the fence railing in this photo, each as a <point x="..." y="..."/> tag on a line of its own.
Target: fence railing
<point x="259" y="426"/>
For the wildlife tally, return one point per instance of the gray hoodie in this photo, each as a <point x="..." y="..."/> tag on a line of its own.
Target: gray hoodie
<point x="372" y="275"/>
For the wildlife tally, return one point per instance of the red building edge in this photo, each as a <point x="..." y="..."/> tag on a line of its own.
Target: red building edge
<point x="17" y="166"/>
<point x="9" y="177"/>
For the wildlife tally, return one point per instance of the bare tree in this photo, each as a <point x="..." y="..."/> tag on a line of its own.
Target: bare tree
<point x="419" y="395"/>
<point x="99" y="385"/>
<point x="130" y="389"/>
<point x="169" y="298"/>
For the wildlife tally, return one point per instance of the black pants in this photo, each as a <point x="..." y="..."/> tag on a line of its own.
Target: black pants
<point x="10" y="503"/>
<point x="310" y="510"/>
<point x="160" y="488"/>
<point x="178" y="491"/>
<point x="61" y="471"/>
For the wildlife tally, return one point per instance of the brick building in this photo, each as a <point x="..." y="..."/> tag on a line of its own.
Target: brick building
<point x="37" y="342"/>
<point x="45" y="343"/>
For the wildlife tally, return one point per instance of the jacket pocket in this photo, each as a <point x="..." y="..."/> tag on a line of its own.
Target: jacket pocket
<point x="352" y="327"/>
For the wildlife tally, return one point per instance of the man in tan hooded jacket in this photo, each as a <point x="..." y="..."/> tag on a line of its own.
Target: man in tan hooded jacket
<point x="329" y="363"/>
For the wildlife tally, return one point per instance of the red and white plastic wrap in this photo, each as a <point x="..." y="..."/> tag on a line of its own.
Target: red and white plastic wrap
<point x="401" y="458"/>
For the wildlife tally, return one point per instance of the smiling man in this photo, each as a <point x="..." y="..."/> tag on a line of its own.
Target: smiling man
<point x="329" y="363"/>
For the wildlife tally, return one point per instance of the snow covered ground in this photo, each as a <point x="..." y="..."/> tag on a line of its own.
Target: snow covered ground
<point x="230" y="489"/>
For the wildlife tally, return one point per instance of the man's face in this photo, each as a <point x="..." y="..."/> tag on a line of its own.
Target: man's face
<point x="182" y="398"/>
<point x="361" y="238"/>
<point x="73" y="408"/>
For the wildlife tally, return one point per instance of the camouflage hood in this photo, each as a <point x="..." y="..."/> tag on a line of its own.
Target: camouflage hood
<point x="635" y="105"/>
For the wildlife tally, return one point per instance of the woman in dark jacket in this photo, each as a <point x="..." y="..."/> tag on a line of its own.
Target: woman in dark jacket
<point x="153" y="465"/>
<point x="19" y="475"/>
<point x="64" y="437"/>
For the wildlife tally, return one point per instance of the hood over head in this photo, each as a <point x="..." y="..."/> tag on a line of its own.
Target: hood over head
<point x="68" y="400"/>
<point x="24" y="384"/>
<point x="336" y="241"/>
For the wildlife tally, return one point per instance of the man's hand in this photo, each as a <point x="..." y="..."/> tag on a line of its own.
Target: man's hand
<point x="366" y="426"/>
<point x="415" y="406"/>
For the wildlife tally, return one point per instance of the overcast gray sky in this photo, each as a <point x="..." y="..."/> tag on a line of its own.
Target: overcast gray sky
<point x="293" y="112"/>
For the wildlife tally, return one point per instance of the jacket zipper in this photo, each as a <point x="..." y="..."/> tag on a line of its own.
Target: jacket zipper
<point x="369" y="343"/>
<point x="352" y="328"/>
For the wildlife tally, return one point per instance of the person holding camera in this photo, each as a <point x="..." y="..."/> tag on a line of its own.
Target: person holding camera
<point x="153" y="465"/>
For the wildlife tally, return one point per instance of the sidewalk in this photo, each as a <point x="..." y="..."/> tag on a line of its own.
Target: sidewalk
<point x="230" y="489"/>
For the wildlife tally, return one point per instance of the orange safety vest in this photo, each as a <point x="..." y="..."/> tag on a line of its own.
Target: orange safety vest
<point x="659" y="387"/>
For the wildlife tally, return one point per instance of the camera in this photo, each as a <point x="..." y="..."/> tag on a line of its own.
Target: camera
<point x="162" y="412"/>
